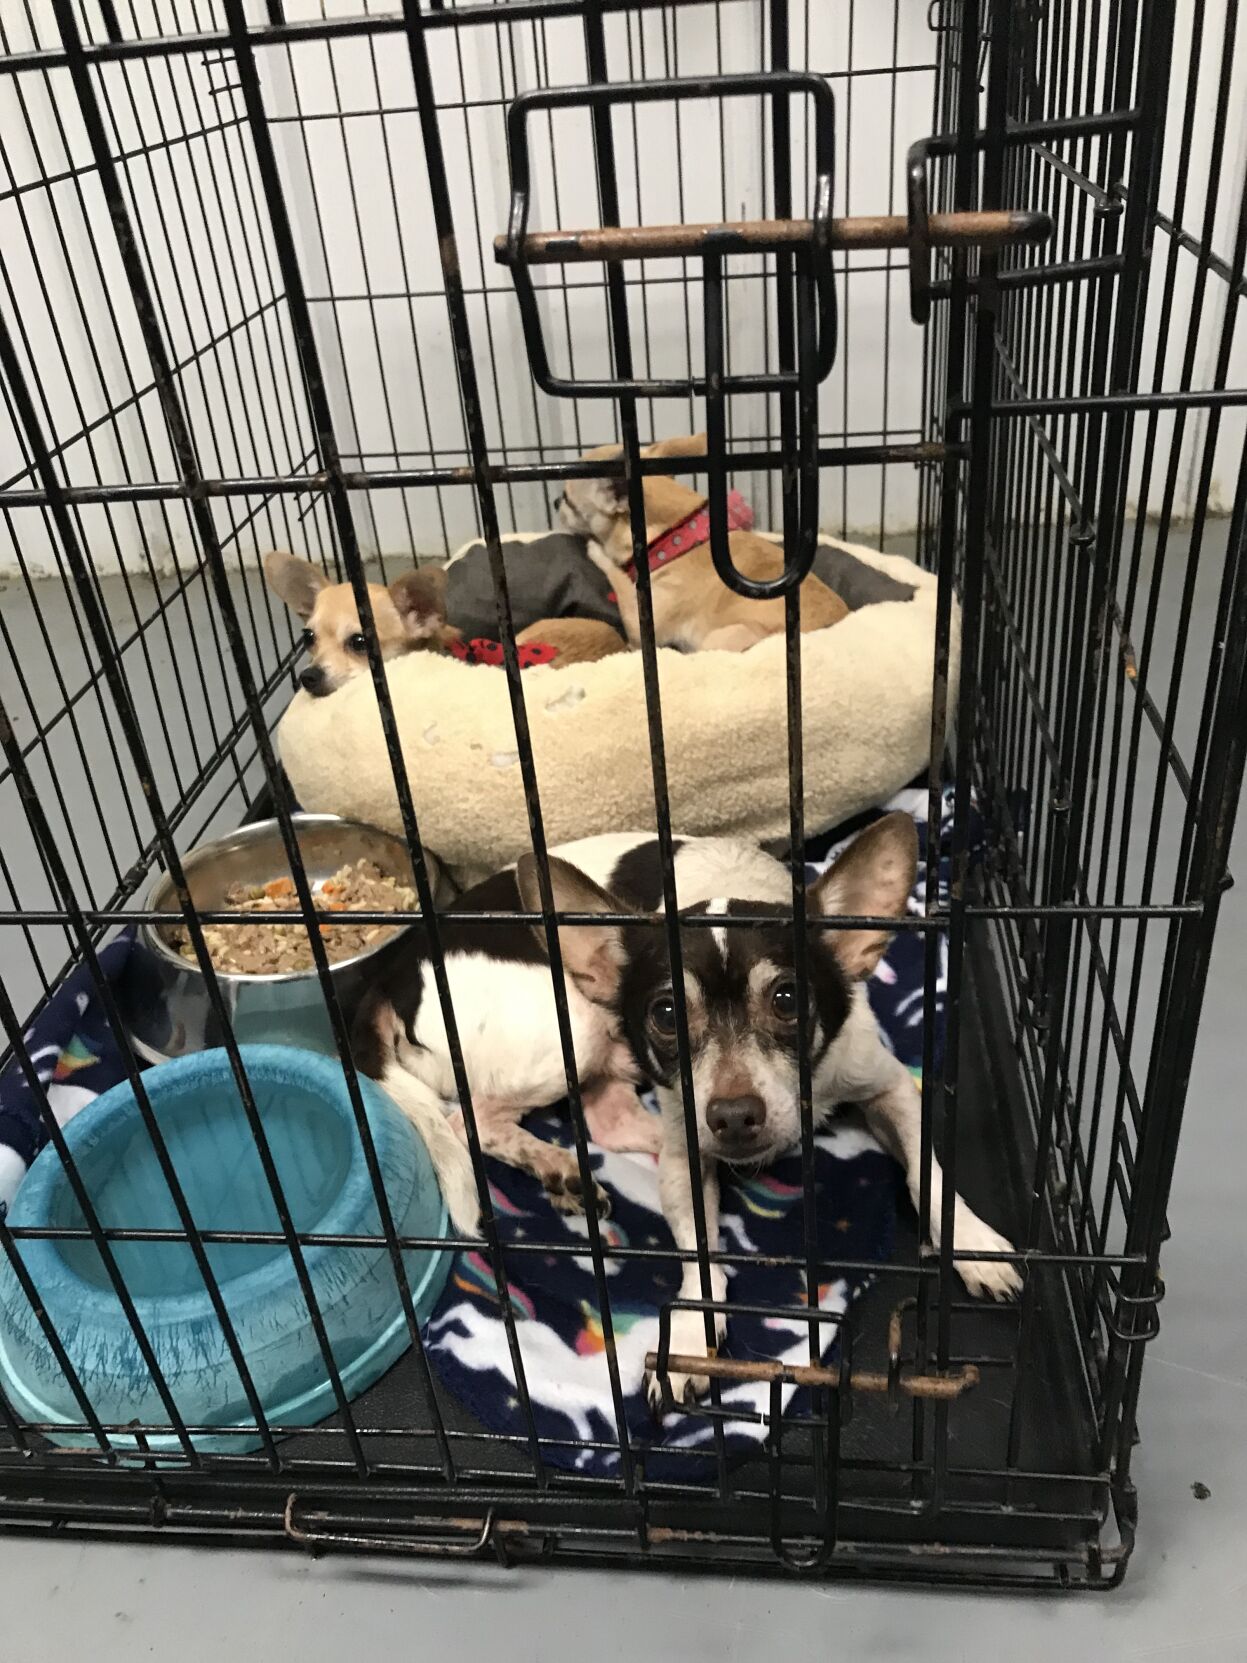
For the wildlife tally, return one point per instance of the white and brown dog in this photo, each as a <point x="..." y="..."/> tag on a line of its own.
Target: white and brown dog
<point x="741" y="996"/>
<point x="693" y="607"/>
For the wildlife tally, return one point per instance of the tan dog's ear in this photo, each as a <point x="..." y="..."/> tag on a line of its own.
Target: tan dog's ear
<point x="295" y="581"/>
<point x="873" y="878"/>
<point x="420" y="600"/>
<point x="593" y="954"/>
<point x="691" y="444"/>
<point x="603" y="496"/>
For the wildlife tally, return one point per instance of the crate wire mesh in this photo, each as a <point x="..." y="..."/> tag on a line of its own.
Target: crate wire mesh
<point x="248" y="253"/>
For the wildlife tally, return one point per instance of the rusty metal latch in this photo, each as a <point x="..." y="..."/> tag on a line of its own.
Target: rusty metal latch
<point x="810" y="241"/>
<point x="456" y="1538"/>
<point x="981" y="229"/>
<point x="803" y="268"/>
<point x="894" y="1382"/>
<point x="807" y="239"/>
<point x="949" y="1384"/>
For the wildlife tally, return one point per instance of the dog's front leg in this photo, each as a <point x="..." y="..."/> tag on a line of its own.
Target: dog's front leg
<point x="615" y="1118"/>
<point x="622" y="587"/>
<point x="688" y="1328"/>
<point x="556" y="1168"/>
<point x="894" y="1115"/>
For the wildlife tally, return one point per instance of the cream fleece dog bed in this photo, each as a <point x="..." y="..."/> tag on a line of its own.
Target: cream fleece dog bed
<point x="866" y="697"/>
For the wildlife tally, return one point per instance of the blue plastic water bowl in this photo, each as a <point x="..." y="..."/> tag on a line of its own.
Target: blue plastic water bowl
<point x="319" y="1158"/>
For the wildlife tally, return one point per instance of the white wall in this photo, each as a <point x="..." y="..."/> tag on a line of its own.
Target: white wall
<point x="1178" y="352"/>
<point x="358" y="193"/>
<point x="393" y="360"/>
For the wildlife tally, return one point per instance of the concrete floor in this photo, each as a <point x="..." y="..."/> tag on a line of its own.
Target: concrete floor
<point x="1186" y="1593"/>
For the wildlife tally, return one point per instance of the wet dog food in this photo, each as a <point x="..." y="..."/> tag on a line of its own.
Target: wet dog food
<point x="259" y="949"/>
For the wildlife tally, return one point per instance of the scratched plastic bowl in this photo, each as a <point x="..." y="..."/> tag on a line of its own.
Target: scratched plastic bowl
<point x="303" y="1103"/>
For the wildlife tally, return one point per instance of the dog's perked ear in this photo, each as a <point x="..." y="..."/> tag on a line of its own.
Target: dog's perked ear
<point x="593" y="954"/>
<point x="294" y="580"/>
<point x="608" y="497"/>
<point x="874" y="877"/>
<point x="420" y="600"/>
<point x="603" y="496"/>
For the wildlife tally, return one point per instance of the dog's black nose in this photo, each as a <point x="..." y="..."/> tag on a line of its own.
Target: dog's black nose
<point x="736" y="1120"/>
<point x="312" y="680"/>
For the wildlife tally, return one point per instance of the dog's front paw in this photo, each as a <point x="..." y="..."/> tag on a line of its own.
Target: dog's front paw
<point x="688" y="1339"/>
<point x="985" y="1278"/>
<point x="685" y="1388"/>
<point x="566" y="1194"/>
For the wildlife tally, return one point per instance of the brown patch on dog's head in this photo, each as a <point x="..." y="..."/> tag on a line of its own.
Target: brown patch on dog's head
<point x="410" y="614"/>
<point x="598" y="508"/>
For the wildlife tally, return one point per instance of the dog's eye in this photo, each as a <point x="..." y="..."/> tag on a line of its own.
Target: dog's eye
<point x="662" y="1014"/>
<point x="784" y="1001"/>
<point x="309" y="639"/>
<point x="357" y="643"/>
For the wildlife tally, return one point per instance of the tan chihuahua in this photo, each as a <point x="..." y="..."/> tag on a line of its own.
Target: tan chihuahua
<point x="693" y="607"/>
<point x="409" y="616"/>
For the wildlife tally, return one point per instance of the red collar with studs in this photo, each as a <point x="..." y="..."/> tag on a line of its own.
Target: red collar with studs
<point x="480" y="650"/>
<point x="692" y="531"/>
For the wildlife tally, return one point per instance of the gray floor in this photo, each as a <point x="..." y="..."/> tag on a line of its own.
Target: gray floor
<point x="1186" y="1593"/>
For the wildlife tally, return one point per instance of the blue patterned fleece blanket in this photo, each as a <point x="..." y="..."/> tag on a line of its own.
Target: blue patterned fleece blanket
<point x="554" y="1297"/>
<point x="75" y="1056"/>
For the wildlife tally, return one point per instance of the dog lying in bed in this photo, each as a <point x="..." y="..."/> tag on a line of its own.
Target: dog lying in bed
<point x="413" y="614"/>
<point x="693" y="607"/>
<point x="742" y="1006"/>
<point x="448" y="609"/>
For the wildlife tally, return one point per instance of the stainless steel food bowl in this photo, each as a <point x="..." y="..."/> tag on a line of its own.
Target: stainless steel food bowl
<point x="165" y="997"/>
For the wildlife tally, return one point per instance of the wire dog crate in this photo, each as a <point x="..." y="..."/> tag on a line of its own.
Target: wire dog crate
<point x="247" y="251"/>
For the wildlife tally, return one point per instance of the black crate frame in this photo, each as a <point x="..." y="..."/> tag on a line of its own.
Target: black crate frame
<point x="1024" y="487"/>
